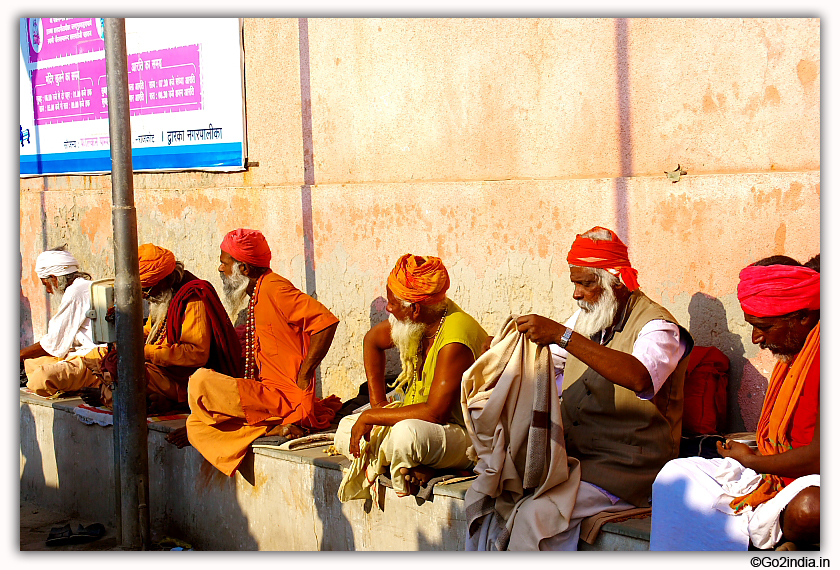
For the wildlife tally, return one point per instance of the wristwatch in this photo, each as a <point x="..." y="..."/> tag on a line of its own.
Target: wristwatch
<point x="567" y="336"/>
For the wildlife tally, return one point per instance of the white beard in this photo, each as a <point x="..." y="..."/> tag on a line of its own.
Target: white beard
<point x="407" y="336"/>
<point x="597" y="316"/>
<point x="234" y="294"/>
<point x="158" y="306"/>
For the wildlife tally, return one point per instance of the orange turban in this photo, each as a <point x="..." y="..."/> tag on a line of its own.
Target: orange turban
<point x="248" y="246"/>
<point x="155" y="264"/>
<point x="419" y="279"/>
<point x="604" y="254"/>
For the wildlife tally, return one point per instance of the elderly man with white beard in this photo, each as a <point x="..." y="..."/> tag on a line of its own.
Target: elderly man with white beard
<point x="424" y="430"/>
<point x="187" y="328"/>
<point x="66" y="358"/>
<point x="620" y="364"/>
<point x="288" y="334"/>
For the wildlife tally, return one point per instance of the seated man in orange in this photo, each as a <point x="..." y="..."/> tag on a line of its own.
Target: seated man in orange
<point x="288" y="334"/>
<point x="187" y="328"/>
<point x="424" y="431"/>
<point x="772" y="495"/>
<point x="66" y="358"/>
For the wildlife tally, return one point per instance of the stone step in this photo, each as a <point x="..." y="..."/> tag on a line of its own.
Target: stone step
<point x="280" y="500"/>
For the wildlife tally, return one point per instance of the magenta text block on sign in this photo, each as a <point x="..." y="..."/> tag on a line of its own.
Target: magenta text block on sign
<point x="160" y="81"/>
<point x="50" y="38"/>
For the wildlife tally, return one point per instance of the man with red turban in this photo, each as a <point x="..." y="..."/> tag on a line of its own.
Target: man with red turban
<point x="774" y="493"/>
<point x="620" y="363"/>
<point x="422" y="429"/>
<point x="187" y="329"/>
<point x="288" y="333"/>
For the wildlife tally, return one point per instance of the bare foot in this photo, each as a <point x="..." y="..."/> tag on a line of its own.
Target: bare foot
<point x="178" y="438"/>
<point x="290" y="431"/>
<point x="417" y="477"/>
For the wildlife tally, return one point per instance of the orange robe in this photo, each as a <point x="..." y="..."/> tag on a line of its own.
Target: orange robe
<point x="169" y="366"/>
<point x="228" y="414"/>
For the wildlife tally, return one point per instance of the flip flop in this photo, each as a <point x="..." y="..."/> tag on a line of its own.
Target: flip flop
<point x="60" y="535"/>
<point x="90" y="533"/>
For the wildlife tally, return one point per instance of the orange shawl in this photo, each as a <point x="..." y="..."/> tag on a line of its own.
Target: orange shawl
<point x="773" y="432"/>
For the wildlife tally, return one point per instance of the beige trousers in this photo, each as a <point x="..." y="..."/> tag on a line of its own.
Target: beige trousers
<point x="410" y="443"/>
<point x="49" y="375"/>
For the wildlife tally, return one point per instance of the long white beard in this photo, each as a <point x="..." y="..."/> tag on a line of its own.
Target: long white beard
<point x="158" y="306"/>
<point x="234" y="294"/>
<point x="407" y="336"/>
<point x="597" y="316"/>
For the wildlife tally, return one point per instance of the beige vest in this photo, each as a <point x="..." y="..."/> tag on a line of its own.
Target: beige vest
<point x="622" y="441"/>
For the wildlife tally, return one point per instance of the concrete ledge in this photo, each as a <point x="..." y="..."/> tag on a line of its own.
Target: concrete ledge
<point x="280" y="500"/>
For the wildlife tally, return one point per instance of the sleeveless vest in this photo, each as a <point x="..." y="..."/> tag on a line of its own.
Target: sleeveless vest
<point x="620" y="440"/>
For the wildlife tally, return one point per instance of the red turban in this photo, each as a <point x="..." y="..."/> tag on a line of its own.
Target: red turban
<point x="248" y="246"/>
<point x="604" y="254"/>
<point x="419" y="279"/>
<point x="774" y="290"/>
<point x="155" y="264"/>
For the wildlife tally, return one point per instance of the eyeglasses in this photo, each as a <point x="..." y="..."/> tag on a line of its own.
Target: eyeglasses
<point x="146" y="290"/>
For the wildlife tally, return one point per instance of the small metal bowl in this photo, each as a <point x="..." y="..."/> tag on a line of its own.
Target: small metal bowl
<point x="747" y="438"/>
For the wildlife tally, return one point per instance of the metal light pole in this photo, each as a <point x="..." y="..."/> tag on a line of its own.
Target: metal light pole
<point x="130" y="429"/>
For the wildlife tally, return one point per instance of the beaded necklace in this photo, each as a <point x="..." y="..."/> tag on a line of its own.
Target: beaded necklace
<point x="421" y="361"/>
<point x="251" y="369"/>
<point x="159" y="332"/>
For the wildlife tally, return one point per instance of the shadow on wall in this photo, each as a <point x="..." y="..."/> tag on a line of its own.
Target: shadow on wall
<point x="32" y="479"/>
<point x="336" y="528"/>
<point x="392" y="356"/>
<point x="708" y="326"/>
<point x="200" y="506"/>
<point x="27" y="336"/>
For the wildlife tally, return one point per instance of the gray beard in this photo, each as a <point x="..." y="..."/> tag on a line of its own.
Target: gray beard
<point x="786" y="358"/>
<point x="158" y="306"/>
<point x="234" y="295"/>
<point x="597" y="316"/>
<point x="407" y="336"/>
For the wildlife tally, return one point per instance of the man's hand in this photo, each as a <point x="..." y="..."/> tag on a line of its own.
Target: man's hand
<point x="736" y="450"/>
<point x="302" y="381"/>
<point x="360" y="429"/>
<point x="540" y="330"/>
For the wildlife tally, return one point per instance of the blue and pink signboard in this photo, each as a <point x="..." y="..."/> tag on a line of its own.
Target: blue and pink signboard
<point x="184" y="85"/>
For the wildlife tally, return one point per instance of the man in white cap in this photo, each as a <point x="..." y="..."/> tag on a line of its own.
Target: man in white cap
<point x="64" y="359"/>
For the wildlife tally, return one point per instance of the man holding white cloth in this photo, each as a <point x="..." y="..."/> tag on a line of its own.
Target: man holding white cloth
<point x="63" y="360"/>
<point x="620" y="365"/>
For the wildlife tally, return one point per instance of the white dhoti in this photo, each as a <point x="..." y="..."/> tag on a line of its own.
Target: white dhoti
<point x="407" y="443"/>
<point x="691" y="507"/>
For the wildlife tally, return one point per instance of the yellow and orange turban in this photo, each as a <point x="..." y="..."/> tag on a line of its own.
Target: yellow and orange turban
<point x="155" y="264"/>
<point x="604" y="254"/>
<point x="419" y="279"/>
<point x="775" y="290"/>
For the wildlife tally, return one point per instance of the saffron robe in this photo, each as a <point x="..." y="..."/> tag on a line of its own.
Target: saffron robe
<point x="228" y="414"/>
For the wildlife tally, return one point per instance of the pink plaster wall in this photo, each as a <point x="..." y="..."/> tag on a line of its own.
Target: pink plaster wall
<point x="491" y="143"/>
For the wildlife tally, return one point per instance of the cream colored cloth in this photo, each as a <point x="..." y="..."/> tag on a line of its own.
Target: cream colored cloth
<point x="407" y="443"/>
<point x="526" y="486"/>
<point x="48" y="375"/>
